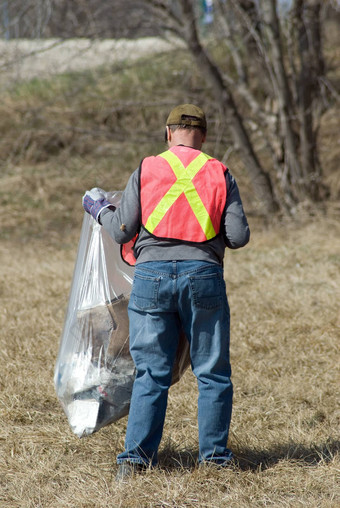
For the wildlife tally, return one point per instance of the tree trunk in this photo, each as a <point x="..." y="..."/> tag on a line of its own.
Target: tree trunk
<point x="311" y="66"/>
<point x="292" y="183"/>
<point x="260" y="179"/>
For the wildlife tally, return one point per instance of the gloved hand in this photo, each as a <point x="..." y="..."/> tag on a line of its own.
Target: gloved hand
<point x="94" y="202"/>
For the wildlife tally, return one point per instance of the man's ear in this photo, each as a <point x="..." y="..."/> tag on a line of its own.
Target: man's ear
<point x="167" y="135"/>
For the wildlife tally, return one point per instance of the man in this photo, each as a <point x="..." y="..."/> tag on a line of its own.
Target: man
<point x="186" y="208"/>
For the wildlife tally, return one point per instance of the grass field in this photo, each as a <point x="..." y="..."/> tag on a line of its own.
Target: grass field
<point x="284" y="295"/>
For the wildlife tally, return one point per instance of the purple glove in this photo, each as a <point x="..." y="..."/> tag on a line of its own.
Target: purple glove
<point x="94" y="202"/>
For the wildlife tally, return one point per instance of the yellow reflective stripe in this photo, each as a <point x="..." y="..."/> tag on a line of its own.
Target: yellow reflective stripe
<point x="184" y="185"/>
<point x="170" y="197"/>
<point x="194" y="199"/>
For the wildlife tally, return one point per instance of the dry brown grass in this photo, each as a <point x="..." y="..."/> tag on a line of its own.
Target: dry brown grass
<point x="284" y="296"/>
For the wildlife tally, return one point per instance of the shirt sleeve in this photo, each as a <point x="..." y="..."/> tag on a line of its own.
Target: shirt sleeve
<point x="123" y="223"/>
<point x="236" y="230"/>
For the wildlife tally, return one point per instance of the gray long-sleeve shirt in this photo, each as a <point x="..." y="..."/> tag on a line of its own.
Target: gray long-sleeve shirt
<point x="234" y="229"/>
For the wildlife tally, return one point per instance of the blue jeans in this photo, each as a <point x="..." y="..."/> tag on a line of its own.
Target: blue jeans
<point x="166" y="297"/>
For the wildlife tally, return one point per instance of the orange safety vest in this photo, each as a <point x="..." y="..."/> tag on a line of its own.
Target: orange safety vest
<point x="182" y="196"/>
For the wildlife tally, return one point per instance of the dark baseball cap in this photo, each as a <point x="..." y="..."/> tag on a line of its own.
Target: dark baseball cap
<point x="187" y="114"/>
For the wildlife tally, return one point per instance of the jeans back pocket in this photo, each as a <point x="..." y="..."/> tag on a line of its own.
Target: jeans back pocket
<point x="145" y="291"/>
<point x="207" y="291"/>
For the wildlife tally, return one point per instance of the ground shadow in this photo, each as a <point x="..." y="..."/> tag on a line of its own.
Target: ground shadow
<point x="252" y="459"/>
<point x="171" y="457"/>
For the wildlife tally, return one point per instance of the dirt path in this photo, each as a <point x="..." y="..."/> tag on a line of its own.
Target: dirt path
<point x="26" y="59"/>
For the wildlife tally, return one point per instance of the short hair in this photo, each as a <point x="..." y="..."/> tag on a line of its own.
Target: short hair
<point x="187" y="127"/>
<point x="175" y="127"/>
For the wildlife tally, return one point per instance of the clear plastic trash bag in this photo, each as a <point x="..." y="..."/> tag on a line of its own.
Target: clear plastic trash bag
<point x="94" y="372"/>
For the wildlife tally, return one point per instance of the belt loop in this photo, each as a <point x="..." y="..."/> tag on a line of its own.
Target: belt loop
<point x="174" y="267"/>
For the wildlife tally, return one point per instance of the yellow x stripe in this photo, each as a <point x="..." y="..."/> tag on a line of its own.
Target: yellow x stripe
<point x="184" y="185"/>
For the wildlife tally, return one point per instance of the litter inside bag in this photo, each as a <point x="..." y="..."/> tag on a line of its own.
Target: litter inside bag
<point x="94" y="372"/>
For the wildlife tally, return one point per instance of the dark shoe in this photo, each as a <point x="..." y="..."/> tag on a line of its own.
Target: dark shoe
<point x="127" y="470"/>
